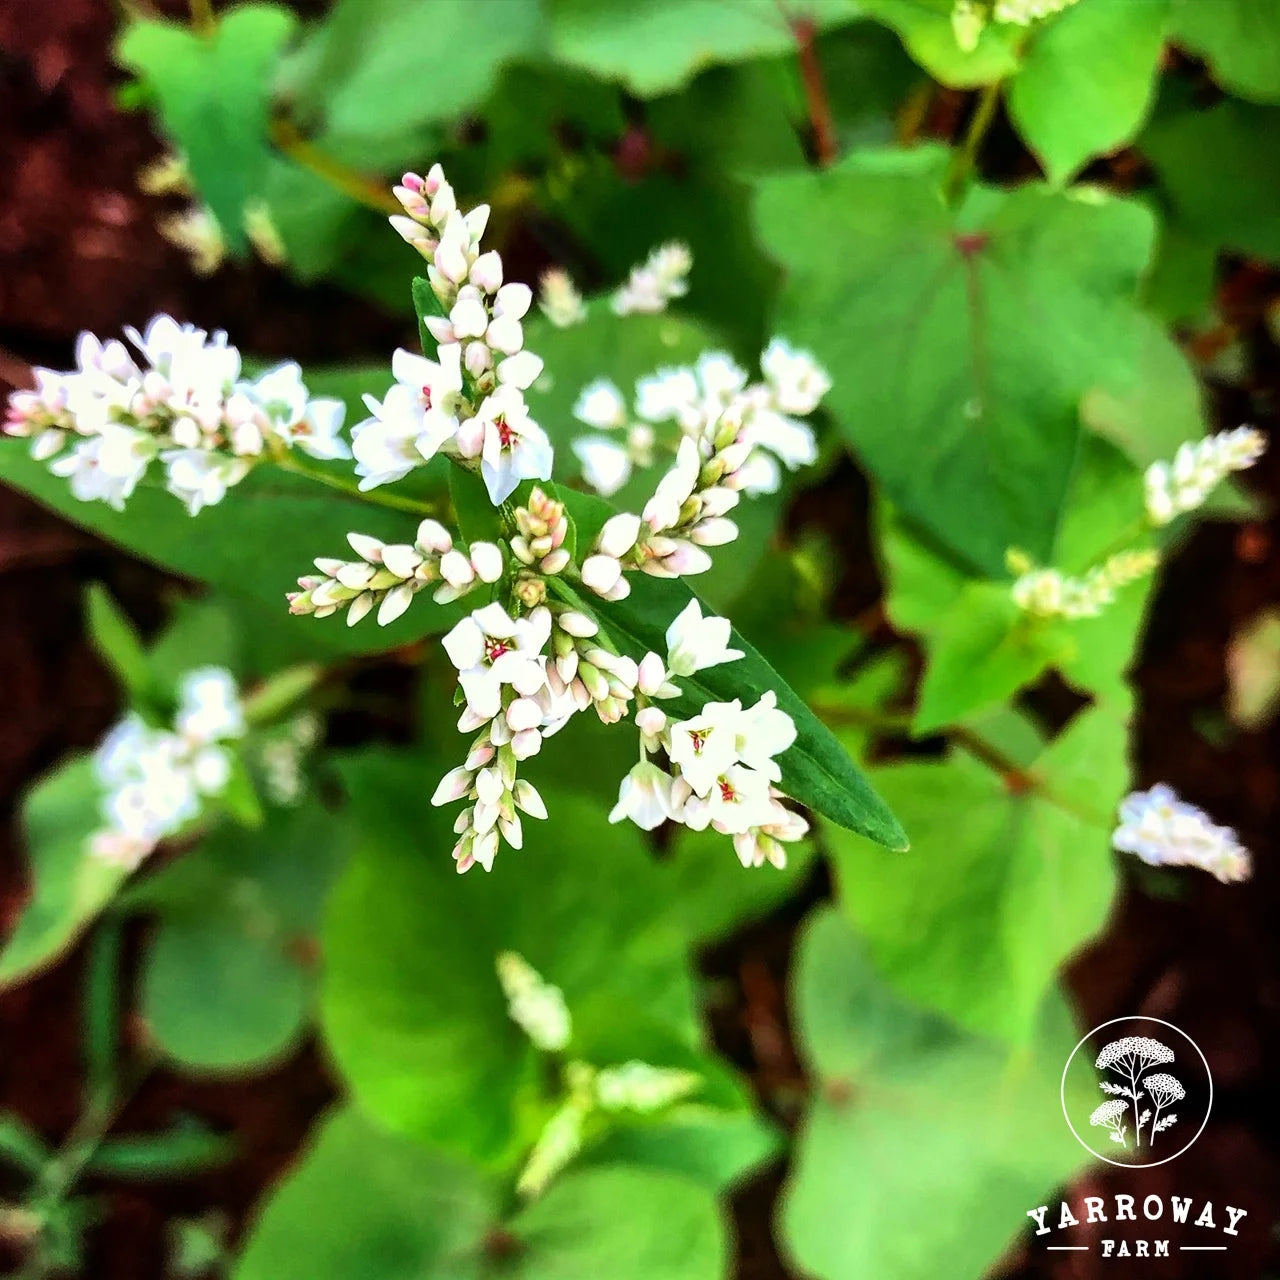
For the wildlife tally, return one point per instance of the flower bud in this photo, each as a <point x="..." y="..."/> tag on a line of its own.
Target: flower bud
<point x="523" y="713"/>
<point x="401" y="559"/>
<point x="601" y="573"/>
<point x="477" y="358"/>
<point x="526" y="743"/>
<point x="453" y="786"/>
<point x="651" y="675"/>
<point x="618" y="535"/>
<point x="486" y="272"/>
<point x="394" y="603"/>
<point x="456" y="569"/>
<point x="366" y="547"/>
<point x="556" y="562"/>
<point x="651" y="721"/>
<point x="433" y="536"/>
<point x="576" y="623"/>
<point x="486" y="559"/>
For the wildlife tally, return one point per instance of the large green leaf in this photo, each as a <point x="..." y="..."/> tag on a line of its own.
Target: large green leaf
<point x="816" y="770"/>
<point x="1218" y="170"/>
<point x="1088" y="82"/>
<point x="1240" y="40"/>
<point x="213" y="92"/>
<point x="1008" y="875"/>
<point x="366" y="1205"/>
<point x="923" y="1146"/>
<point x="959" y="344"/>
<point x="375" y="68"/>
<point x="412" y="1009"/>
<point x="69" y="886"/>
<point x="654" y="46"/>
<point x="255" y="543"/>
<point x="238" y="917"/>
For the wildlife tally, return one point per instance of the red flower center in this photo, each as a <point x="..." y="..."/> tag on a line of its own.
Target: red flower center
<point x="727" y="793"/>
<point x="505" y="434"/>
<point x="494" y="649"/>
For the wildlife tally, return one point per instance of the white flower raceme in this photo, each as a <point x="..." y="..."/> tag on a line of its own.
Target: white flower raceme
<point x="1197" y="469"/>
<point x="155" y="781"/>
<point x="470" y="400"/>
<point x="1049" y="593"/>
<point x="183" y="401"/>
<point x="698" y="400"/>
<point x="662" y="276"/>
<point x="559" y="300"/>
<point x="388" y="575"/>
<point x="536" y="1006"/>
<point x="1165" y="831"/>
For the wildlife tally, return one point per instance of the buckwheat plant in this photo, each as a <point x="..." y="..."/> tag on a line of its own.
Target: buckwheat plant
<point x="536" y="652"/>
<point x="178" y="397"/>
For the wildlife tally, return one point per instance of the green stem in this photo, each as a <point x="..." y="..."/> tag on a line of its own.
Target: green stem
<point x="390" y="500"/>
<point x="353" y="184"/>
<point x="966" y="155"/>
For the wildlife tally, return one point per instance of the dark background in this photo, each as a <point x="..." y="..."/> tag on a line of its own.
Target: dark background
<point x="78" y="249"/>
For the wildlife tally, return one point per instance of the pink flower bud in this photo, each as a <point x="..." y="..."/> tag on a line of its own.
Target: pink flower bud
<point x="513" y="301"/>
<point x="526" y="743"/>
<point x="453" y="786"/>
<point x="714" y="532"/>
<point x="478" y="358"/>
<point x="522" y="714"/>
<point x="556" y="562"/>
<point x="432" y="536"/>
<point x="651" y="675"/>
<point x="440" y="329"/>
<point x="651" y="721"/>
<point x="456" y="569"/>
<point x="577" y="623"/>
<point x="470" y="437"/>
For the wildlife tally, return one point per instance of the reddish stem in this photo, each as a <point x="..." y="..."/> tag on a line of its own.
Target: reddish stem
<point x="815" y="91"/>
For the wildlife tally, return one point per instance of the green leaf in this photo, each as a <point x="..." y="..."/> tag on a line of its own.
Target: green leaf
<point x="118" y="642"/>
<point x="1088" y="82"/>
<point x="477" y="518"/>
<point x="437" y="1057"/>
<point x="236" y="915"/>
<point x="983" y="650"/>
<point x="364" y="1204"/>
<point x="379" y="68"/>
<point x="923" y="1146"/>
<point x="1218" y="172"/>
<point x="1239" y="39"/>
<point x="255" y="544"/>
<point x="926" y="31"/>
<point x="185" y="1151"/>
<point x="1007" y="877"/>
<point x="656" y="46"/>
<point x="213" y="94"/>
<point x="816" y="770"/>
<point x="671" y="1229"/>
<point x="959" y="344"/>
<point x="70" y="885"/>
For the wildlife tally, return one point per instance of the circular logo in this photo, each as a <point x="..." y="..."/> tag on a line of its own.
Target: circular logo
<point x="1136" y="1092"/>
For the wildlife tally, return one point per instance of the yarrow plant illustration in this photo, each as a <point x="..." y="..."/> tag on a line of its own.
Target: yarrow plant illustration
<point x="1131" y="1058"/>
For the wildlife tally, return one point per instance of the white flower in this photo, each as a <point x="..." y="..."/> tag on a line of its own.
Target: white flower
<point x="720" y="376"/>
<point x="201" y="478"/>
<point x="706" y="746"/>
<point x="652" y="284"/>
<point x="606" y="464"/>
<point x="796" y="379"/>
<point x="209" y="705"/>
<point x="662" y="511"/>
<point x="559" y="300"/>
<point x="695" y="643"/>
<point x="739" y="800"/>
<point x="792" y="442"/>
<point x="106" y="467"/>
<point x="600" y="405"/>
<point x="644" y="797"/>
<point x="668" y="394"/>
<point x="1163" y="830"/>
<point x="397" y="438"/>
<point x="515" y="448"/>
<point x="765" y="732"/>
<point x="438" y="384"/>
<point x="491" y="649"/>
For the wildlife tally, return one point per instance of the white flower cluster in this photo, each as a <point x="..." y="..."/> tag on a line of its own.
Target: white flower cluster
<point x="559" y="299"/>
<point x="1197" y="469"/>
<point x="539" y="1009"/>
<point x="468" y="403"/>
<point x="1048" y="593"/>
<point x="697" y="399"/>
<point x="156" y="780"/>
<point x="388" y="575"/>
<point x="183" y="401"/>
<point x="663" y="275"/>
<point x="1165" y="831"/>
<point x="723" y="770"/>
